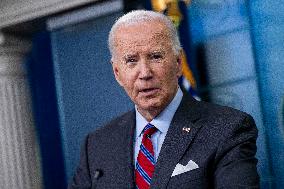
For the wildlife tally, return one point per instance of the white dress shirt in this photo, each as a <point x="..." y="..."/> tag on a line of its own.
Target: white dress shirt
<point x="161" y="122"/>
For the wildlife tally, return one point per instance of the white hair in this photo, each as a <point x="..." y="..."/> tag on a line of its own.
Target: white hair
<point x="138" y="16"/>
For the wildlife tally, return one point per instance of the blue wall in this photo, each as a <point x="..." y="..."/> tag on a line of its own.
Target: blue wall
<point x="88" y="95"/>
<point x="223" y="29"/>
<point x="41" y="76"/>
<point x="267" y="20"/>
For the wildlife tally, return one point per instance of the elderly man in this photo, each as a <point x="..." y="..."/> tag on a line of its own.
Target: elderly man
<point x="169" y="140"/>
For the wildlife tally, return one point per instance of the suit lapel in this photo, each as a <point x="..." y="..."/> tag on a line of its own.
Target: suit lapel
<point x="127" y="126"/>
<point x="176" y="142"/>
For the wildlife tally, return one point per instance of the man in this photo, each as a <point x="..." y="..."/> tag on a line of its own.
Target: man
<point x="169" y="140"/>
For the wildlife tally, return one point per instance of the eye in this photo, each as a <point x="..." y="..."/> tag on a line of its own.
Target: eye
<point x="156" y="56"/>
<point x="131" y="60"/>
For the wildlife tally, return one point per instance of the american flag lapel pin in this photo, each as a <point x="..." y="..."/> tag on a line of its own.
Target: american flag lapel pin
<point x="186" y="129"/>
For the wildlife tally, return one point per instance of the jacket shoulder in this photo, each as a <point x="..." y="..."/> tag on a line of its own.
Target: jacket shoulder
<point x="220" y="113"/>
<point x="225" y="119"/>
<point x="116" y="125"/>
<point x="216" y="117"/>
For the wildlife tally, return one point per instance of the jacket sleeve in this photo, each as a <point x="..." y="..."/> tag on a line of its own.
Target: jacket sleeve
<point x="235" y="158"/>
<point x="82" y="178"/>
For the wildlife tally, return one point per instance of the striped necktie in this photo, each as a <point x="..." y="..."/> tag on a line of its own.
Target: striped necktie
<point x="145" y="163"/>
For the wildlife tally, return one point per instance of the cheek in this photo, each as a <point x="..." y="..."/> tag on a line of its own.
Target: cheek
<point x="169" y="80"/>
<point x="128" y="84"/>
<point x="170" y="74"/>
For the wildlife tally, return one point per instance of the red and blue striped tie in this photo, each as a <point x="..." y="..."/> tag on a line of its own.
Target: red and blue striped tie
<point x="145" y="163"/>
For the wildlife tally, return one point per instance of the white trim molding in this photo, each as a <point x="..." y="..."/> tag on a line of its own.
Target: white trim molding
<point x="17" y="11"/>
<point x="84" y="14"/>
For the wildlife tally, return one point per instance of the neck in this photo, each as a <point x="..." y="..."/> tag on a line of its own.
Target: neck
<point x="149" y="115"/>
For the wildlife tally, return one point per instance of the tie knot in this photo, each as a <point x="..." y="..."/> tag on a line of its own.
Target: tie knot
<point x="149" y="129"/>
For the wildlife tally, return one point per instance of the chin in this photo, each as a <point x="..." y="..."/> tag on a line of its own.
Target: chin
<point x="150" y="106"/>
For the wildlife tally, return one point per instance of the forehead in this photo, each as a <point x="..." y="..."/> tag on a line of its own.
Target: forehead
<point x="150" y="33"/>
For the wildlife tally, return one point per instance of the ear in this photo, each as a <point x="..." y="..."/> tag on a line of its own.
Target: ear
<point x="116" y="72"/>
<point x="179" y="65"/>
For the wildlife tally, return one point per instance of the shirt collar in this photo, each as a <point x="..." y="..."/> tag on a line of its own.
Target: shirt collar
<point x="163" y="120"/>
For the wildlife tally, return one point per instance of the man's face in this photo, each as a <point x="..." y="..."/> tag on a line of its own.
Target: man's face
<point x="145" y="65"/>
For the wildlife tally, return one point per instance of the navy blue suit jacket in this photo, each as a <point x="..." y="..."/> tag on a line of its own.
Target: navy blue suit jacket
<point x="221" y="141"/>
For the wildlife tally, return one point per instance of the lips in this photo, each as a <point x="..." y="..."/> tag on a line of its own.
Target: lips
<point x="148" y="91"/>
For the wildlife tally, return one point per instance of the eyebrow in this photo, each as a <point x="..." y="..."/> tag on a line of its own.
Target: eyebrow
<point x="129" y="56"/>
<point x="135" y="55"/>
<point x="162" y="52"/>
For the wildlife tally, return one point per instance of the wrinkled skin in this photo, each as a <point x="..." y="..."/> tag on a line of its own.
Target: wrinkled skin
<point x="145" y="65"/>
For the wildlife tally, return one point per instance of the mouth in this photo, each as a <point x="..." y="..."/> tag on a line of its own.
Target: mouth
<point x="148" y="91"/>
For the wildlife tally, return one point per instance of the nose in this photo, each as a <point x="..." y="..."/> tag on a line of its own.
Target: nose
<point x="145" y="71"/>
